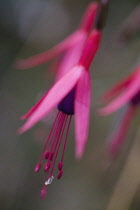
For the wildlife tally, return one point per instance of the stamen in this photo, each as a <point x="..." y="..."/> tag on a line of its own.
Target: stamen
<point x="65" y="144"/>
<point x="53" y="145"/>
<point x="43" y="192"/>
<point x="51" y="155"/>
<point x="52" y="129"/>
<point x="60" y="166"/>
<point x="47" y="166"/>
<point x="55" y="137"/>
<point x="37" y="168"/>
<point x="59" y="174"/>
<point x="46" y="154"/>
<point x="60" y="140"/>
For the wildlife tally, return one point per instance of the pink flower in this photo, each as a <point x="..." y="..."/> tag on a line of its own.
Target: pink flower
<point x="72" y="44"/>
<point x="71" y="95"/>
<point x="126" y="92"/>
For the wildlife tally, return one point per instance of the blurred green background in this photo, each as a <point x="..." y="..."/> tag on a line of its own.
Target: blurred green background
<point x="29" y="27"/>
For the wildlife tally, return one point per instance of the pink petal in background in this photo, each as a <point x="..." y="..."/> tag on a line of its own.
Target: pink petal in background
<point x="119" y="136"/>
<point x="124" y="97"/>
<point x="117" y="88"/>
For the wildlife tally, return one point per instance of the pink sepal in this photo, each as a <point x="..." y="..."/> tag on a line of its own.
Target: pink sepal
<point x="119" y="136"/>
<point x="90" y="48"/>
<point x="41" y="58"/>
<point x="54" y="96"/>
<point x="117" y="88"/>
<point x="32" y="110"/>
<point x="124" y="97"/>
<point x="71" y="57"/>
<point x="82" y="110"/>
<point x="89" y="17"/>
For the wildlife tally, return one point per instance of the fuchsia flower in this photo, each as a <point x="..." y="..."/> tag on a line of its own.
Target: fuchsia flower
<point x="74" y="42"/>
<point x="71" y="95"/>
<point x="129" y="93"/>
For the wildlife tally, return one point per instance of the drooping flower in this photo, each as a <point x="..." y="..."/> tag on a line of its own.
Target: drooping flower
<point x="127" y="92"/>
<point x="76" y="40"/>
<point x="71" y="95"/>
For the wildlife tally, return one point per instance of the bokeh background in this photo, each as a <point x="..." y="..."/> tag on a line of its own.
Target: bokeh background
<point x="29" y="27"/>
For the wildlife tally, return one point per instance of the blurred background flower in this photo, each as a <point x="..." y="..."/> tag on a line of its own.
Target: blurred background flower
<point x="27" y="28"/>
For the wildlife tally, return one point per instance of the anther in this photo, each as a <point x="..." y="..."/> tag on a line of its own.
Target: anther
<point x="59" y="174"/>
<point x="51" y="156"/>
<point x="43" y="192"/>
<point x="60" y="166"/>
<point x="37" y="168"/>
<point x="46" y="154"/>
<point x="47" y="166"/>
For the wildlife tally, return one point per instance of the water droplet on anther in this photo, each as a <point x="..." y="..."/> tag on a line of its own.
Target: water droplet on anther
<point x="49" y="181"/>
